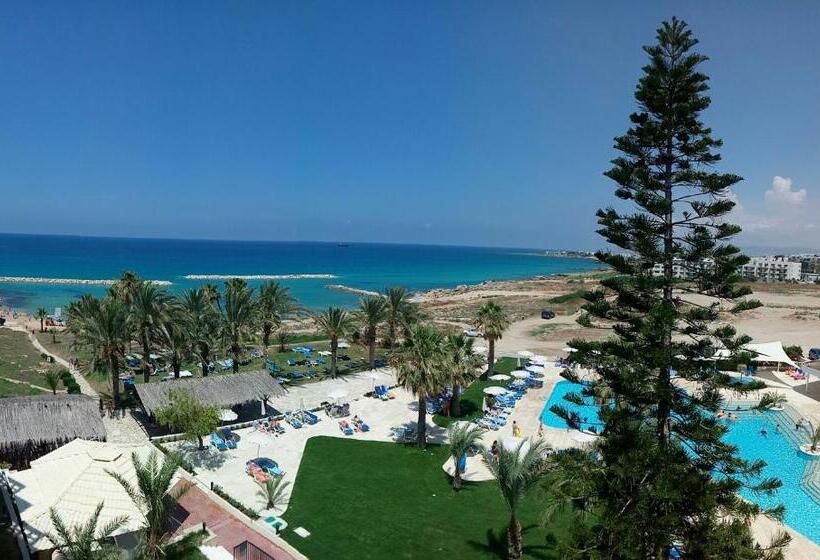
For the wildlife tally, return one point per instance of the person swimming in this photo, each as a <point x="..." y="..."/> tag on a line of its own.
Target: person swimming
<point x="763" y="431"/>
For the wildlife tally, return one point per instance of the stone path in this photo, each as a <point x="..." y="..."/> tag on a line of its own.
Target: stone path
<point x="124" y="428"/>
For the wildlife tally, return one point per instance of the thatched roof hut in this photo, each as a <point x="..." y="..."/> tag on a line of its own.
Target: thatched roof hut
<point x="30" y="427"/>
<point x="220" y="390"/>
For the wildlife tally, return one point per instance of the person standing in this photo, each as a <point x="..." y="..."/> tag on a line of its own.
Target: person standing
<point x="516" y="430"/>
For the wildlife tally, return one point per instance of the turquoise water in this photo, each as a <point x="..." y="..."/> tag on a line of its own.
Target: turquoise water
<point x="358" y="265"/>
<point x="783" y="459"/>
<point x="588" y="413"/>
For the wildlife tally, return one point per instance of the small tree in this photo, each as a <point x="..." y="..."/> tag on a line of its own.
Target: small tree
<point x="153" y="497"/>
<point x="188" y="415"/>
<point x="52" y="379"/>
<point x="41" y="314"/>
<point x="86" y="541"/>
<point x="335" y="323"/>
<point x="282" y="338"/>
<point x="814" y="439"/>
<point x="420" y="369"/>
<point x="492" y="321"/>
<point x="461" y="437"/>
<point x="516" y="471"/>
<point x="794" y="352"/>
<point x="273" y="491"/>
<point x="771" y="399"/>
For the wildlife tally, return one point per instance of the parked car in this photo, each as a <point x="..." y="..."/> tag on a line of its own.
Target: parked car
<point x="814" y="354"/>
<point x="471" y="333"/>
<point x="547" y="314"/>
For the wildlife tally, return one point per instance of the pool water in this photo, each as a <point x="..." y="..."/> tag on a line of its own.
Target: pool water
<point x="778" y="449"/>
<point x="783" y="461"/>
<point x="588" y="412"/>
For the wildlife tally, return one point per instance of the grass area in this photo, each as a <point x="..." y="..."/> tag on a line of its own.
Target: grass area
<point x="395" y="501"/>
<point x="566" y="298"/>
<point x="20" y="360"/>
<point x="545" y="330"/>
<point x="473" y="395"/>
<point x="9" y="389"/>
<point x="57" y="342"/>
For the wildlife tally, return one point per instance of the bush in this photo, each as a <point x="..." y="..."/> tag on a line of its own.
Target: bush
<point x="572" y="296"/>
<point x="794" y="352"/>
<point x="228" y="498"/>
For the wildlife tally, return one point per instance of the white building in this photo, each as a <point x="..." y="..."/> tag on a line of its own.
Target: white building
<point x="683" y="270"/>
<point x="772" y="269"/>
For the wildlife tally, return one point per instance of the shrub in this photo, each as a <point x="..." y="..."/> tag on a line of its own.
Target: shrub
<point x="794" y="352"/>
<point x="235" y="503"/>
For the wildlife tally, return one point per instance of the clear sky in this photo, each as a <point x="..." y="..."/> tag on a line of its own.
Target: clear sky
<point x="484" y="123"/>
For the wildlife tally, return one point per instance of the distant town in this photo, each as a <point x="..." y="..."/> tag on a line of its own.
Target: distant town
<point x="799" y="267"/>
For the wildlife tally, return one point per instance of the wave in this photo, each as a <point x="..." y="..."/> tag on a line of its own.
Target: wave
<point x="79" y="281"/>
<point x="258" y="276"/>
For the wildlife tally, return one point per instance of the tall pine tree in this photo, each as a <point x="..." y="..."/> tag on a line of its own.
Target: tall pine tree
<point x="661" y="472"/>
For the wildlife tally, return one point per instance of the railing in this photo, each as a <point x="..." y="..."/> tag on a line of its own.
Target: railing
<point x="249" y="551"/>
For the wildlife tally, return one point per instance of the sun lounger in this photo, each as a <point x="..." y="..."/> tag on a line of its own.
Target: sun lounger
<point x="361" y="426"/>
<point x="218" y="442"/>
<point x="345" y="427"/>
<point x="293" y="421"/>
<point x="226" y="364"/>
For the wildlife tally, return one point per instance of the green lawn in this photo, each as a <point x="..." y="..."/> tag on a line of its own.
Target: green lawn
<point x="21" y="361"/>
<point x="9" y="389"/>
<point x="473" y="395"/>
<point x="364" y="500"/>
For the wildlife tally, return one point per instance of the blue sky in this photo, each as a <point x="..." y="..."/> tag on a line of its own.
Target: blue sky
<point x="485" y="123"/>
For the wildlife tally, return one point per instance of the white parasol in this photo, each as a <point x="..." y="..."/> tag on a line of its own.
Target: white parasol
<point x="495" y="390"/>
<point x="499" y="377"/>
<point x="520" y="374"/>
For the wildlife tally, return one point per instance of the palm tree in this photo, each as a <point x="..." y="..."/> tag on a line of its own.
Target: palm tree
<point x="173" y="334"/>
<point x="273" y="491"/>
<point x="372" y="313"/>
<point x="814" y="438"/>
<point x="125" y="288"/>
<point x="101" y="326"/>
<point x="492" y="321"/>
<point x="153" y="497"/>
<point x="238" y="317"/>
<point x="420" y="369"/>
<point x="201" y="323"/>
<point x="400" y="312"/>
<point x="212" y="295"/>
<point x="41" y="314"/>
<point x="771" y="399"/>
<point x="282" y="338"/>
<point x="461" y="437"/>
<point x="462" y="363"/>
<point x="275" y="303"/>
<point x="335" y="323"/>
<point x="52" y="380"/>
<point x="146" y="313"/>
<point x="82" y="542"/>
<point x="516" y="471"/>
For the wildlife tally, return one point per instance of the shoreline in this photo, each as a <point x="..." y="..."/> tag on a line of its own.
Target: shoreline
<point x="259" y="276"/>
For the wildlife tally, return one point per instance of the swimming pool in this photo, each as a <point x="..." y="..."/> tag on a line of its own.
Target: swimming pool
<point x="799" y="473"/>
<point x="588" y="412"/>
<point x="783" y="461"/>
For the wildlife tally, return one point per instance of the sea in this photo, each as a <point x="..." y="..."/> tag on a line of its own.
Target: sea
<point x="363" y="266"/>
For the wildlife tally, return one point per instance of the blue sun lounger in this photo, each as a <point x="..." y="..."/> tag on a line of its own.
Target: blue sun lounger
<point x="218" y="442"/>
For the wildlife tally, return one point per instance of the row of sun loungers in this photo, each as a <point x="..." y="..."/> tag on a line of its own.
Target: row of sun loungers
<point x="356" y="425"/>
